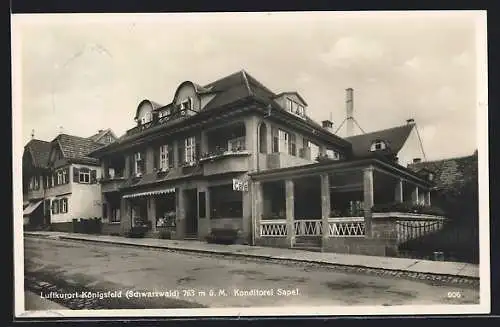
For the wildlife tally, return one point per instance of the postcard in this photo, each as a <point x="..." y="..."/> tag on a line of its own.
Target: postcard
<point x="250" y="164"/>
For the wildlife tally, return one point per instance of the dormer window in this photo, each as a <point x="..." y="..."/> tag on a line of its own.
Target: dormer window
<point x="164" y="113"/>
<point x="332" y="154"/>
<point x="146" y="118"/>
<point x="187" y="104"/>
<point x="294" y="107"/>
<point x="430" y="177"/>
<point x="378" y="145"/>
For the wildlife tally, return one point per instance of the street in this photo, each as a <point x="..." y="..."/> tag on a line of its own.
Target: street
<point x="199" y="280"/>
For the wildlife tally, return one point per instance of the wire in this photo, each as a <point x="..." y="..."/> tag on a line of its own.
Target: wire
<point x="342" y="124"/>
<point x="362" y="130"/>
<point x="421" y="144"/>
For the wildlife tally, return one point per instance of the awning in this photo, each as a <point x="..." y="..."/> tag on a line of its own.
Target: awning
<point x="31" y="207"/>
<point x="156" y="192"/>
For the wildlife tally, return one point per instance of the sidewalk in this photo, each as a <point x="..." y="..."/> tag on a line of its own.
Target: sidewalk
<point x="457" y="269"/>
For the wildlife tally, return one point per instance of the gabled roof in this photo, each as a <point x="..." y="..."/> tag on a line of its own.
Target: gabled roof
<point x="449" y="173"/>
<point x="77" y="148"/>
<point x="100" y="134"/>
<point x="40" y="151"/>
<point x="292" y="92"/>
<point x="394" y="137"/>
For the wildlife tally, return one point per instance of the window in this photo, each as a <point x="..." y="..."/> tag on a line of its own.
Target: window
<point x="332" y="154"/>
<point x="225" y="203"/>
<point x="294" y="107"/>
<point x="292" y="146"/>
<point x="289" y="105"/>
<point x="53" y="181"/>
<point x="138" y="164"/>
<point x="237" y="144"/>
<point x="59" y="178"/>
<point x="55" y="207"/>
<point x="283" y="141"/>
<point x="164" y="113"/>
<point x="84" y="176"/>
<point x="164" y="157"/>
<point x="187" y="104"/>
<point x="378" y="145"/>
<point x="190" y="148"/>
<point x="146" y="118"/>
<point x="65" y="179"/>
<point x="63" y="205"/>
<point x="104" y="211"/>
<point x="314" y="150"/>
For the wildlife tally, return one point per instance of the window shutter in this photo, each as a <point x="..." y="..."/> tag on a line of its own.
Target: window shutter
<point x="170" y="155"/>
<point x="181" y="148"/>
<point x="156" y="157"/>
<point x="66" y="202"/>
<point x="61" y="205"/>
<point x="130" y="158"/>
<point x="52" y="207"/>
<point x="67" y="175"/>
<point x="93" y="176"/>
<point x="143" y="162"/>
<point x="197" y="153"/>
<point x="76" y="175"/>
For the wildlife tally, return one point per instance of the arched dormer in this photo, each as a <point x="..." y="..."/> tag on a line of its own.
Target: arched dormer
<point x="378" y="145"/>
<point x="144" y="112"/>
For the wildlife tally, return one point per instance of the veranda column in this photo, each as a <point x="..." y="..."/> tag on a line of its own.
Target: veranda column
<point x="176" y="153"/>
<point x="414" y="195"/>
<point x="180" y="213"/>
<point x="125" y="217"/>
<point x="290" y="236"/>
<point x="368" y="199"/>
<point x="152" y="212"/>
<point x="325" y="207"/>
<point x="398" y="197"/>
<point x="105" y="168"/>
<point x="428" y="198"/>
<point x="258" y="209"/>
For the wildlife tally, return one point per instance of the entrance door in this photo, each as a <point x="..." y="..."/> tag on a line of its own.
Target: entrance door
<point x="191" y="205"/>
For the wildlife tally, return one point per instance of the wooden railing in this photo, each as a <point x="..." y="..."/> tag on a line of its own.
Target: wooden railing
<point x="307" y="227"/>
<point x="275" y="227"/>
<point x="346" y="227"/>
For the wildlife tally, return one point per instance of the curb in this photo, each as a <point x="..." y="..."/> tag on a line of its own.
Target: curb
<point x="408" y="274"/>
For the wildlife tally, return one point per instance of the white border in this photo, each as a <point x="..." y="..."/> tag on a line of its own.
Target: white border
<point x="482" y="140"/>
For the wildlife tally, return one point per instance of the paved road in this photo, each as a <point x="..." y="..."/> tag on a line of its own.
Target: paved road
<point x="101" y="267"/>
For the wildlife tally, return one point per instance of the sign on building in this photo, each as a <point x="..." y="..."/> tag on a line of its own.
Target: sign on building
<point x="240" y="185"/>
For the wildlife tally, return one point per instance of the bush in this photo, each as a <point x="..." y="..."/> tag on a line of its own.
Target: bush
<point x="137" y="232"/>
<point x="224" y="235"/>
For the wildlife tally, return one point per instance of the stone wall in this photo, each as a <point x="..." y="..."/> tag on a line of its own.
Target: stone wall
<point x="278" y="242"/>
<point x="358" y="245"/>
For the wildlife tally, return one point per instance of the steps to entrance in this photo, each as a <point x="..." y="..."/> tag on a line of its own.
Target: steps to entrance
<point x="190" y="236"/>
<point x="308" y="243"/>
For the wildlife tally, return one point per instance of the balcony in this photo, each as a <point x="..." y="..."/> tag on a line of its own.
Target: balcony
<point x="111" y="184"/>
<point x="225" y="161"/>
<point x="283" y="160"/>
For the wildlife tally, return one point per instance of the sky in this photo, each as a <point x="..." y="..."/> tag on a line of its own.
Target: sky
<point x="80" y="73"/>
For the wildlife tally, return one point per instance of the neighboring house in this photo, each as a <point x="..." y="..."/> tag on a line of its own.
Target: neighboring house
<point x="400" y="144"/>
<point x="233" y="154"/>
<point x="456" y="184"/>
<point x="35" y="165"/>
<point x="68" y="185"/>
<point x="104" y="136"/>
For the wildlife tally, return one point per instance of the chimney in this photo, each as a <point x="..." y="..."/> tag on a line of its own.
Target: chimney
<point x="410" y="121"/>
<point x="349" y="112"/>
<point x="100" y="130"/>
<point x="33" y="134"/>
<point x="328" y="125"/>
<point x="416" y="160"/>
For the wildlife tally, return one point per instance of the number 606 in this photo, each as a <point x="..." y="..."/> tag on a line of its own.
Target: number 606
<point x="454" y="295"/>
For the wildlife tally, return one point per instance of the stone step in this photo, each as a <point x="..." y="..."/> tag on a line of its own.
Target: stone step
<point x="307" y="248"/>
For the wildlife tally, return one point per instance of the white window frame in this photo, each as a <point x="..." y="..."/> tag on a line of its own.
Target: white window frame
<point x="64" y="207"/>
<point x="164" y="157"/>
<point x="187" y="104"/>
<point x="289" y="104"/>
<point x="53" y="181"/>
<point x="84" y="176"/>
<point x="148" y="116"/>
<point x="332" y="154"/>
<point x="64" y="176"/>
<point x="137" y="166"/>
<point x="378" y="145"/>
<point x="233" y="144"/>
<point x="59" y="177"/>
<point x="283" y="140"/>
<point x="189" y="149"/>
